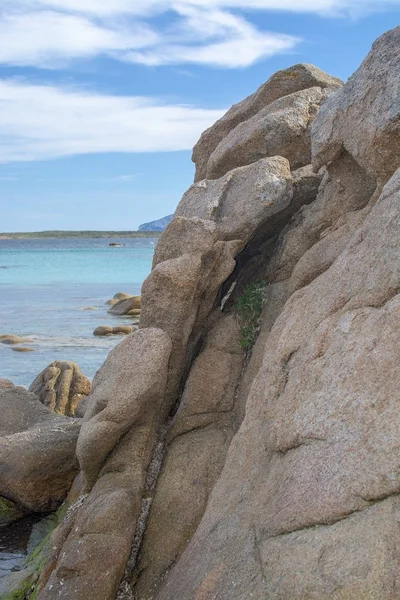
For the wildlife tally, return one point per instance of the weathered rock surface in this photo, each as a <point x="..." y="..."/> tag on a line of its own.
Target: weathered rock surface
<point x="278" y="471"/>
<point x="322" y="398"/>
<point x="61" y="387"/>
<point x="197" y="442"/>
<point x="285" y="82"/>
<point x="119" y="437"/>
<point x="37" y="452"/>
<point x="364" y="117"/>
<point x="6" y="383"/>
<point x="280" y="129"/>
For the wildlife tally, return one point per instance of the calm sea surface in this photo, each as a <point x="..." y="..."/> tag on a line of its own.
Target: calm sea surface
<point x="44" y="287"/>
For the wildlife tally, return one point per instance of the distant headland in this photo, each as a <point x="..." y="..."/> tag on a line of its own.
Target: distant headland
<point x="79" y="234"/>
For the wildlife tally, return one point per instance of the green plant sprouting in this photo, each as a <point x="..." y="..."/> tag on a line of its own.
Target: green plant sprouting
<point x="249" y="307"/>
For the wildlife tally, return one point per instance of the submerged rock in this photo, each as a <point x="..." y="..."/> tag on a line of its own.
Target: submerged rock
<point x="23" y="349"/>
<point x="13" y="339"/>
<point x="104" y="330"/>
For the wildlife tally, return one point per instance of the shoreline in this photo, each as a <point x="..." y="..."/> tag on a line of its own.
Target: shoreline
<point x="78" y="234"/>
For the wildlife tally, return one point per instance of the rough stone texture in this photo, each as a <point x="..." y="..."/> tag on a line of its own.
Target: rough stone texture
<point x="119" y="399"/>
<point x="345" y="189"/>
<point x="6" y="383"/>
<point x="318" y="443"/>
<point x="198" y="440"/>
<point x="116" y="445"/>
<point x="61" y="387"/>
<point x="282" y="83"/>
<point x="364" y="117"/>
<point x="280" y="129"/>
<point x="37" y="452"/>
<point x="306" y="504"/>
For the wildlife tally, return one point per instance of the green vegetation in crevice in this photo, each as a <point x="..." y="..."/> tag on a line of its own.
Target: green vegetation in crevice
<point x="249" y="307"/>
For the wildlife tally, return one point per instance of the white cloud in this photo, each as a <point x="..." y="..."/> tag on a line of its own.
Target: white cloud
<point x="148" y="7"/>
<point x="43" y="122"/>
<point x="49" y="38"/>
<point x="48" y="33"/>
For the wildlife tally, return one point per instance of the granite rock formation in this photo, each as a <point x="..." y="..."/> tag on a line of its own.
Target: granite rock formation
<point x="213" y="470"/>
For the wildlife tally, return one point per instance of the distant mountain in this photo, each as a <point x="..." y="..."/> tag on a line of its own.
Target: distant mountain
<point x="158" y="225"/>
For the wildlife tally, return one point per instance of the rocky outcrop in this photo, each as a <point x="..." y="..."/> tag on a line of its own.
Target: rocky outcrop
<point x="281" y="84"/>
<point x="61" y="387"/>
<point x="364" y="119"/>
<point x="210" y="469"/>
<point x="306" y="504"/>
<point x="37" y="453"/>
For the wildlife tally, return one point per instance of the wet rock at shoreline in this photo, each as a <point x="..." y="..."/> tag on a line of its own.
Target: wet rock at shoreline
<point x="124" y="305"/>
<point x="117" y="297"/>
<point x="105" y="330"/>
<point x="61" y="387"/>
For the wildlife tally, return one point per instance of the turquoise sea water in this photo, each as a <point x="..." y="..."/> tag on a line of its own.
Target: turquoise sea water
<point x="45" y="284"/>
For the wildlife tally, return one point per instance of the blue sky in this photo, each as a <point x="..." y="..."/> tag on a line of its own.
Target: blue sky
<point x="102" y="100"/>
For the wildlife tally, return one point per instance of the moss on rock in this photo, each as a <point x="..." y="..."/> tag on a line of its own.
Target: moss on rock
<point x="9" y="512"/>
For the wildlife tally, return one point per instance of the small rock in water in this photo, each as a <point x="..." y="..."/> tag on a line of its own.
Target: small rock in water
<point x="23" y="349"/>
<point x="122" y="329"/>
<point x="103" y="330"/>
<point x="123" y="306"/>
<point x="13" y="339"/>
<point x="117" y="297"/>
<point x="88" y="308"/>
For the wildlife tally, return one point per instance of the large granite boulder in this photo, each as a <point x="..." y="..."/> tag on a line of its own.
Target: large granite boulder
<point x="285" y="82"/>
<point x="280" y="129"/>
<point x="37" y="452"/>
<point x="364" y="117"/>
<point x="61" y="387"/>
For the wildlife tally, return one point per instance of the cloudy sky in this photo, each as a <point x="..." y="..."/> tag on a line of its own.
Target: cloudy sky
<point x="102" y="100"/>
